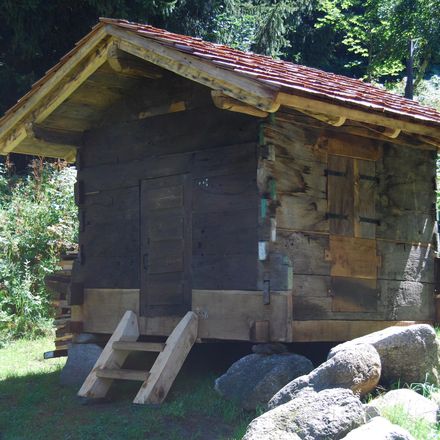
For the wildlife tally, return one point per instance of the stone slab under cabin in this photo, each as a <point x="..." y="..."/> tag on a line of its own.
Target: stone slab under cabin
<point x="270" y="204"/>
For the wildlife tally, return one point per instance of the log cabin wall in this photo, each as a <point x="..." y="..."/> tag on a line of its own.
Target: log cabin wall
<point x="348" y="223"/>
<point x="169" y="128"/>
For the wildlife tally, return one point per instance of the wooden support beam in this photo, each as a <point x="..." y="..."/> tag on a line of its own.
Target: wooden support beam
<point x="225" y="102"/>
<point x="57" y="136"/>
<point x="369" y="116"/>
<point x="57" y="95"/>
<point x="206" y="73"/>
<point x="9" y="143"/>
<point x="125" y="64"/>
<point x="13" y="124"/>
<point x="336" y="121"/>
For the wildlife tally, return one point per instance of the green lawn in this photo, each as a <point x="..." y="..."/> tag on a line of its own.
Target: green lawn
<point x="34" y="406"/>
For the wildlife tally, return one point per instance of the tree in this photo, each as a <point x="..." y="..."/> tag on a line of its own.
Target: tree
<point x="377" y="34"/>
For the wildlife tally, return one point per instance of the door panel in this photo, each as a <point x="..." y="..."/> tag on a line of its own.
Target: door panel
<point x="166" y="246"/>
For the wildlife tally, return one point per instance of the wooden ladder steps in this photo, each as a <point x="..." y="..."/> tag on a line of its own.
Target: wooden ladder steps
<point x="124" y="374"/>
<point x="157" y="382"/>
<point x="138" y="346"/>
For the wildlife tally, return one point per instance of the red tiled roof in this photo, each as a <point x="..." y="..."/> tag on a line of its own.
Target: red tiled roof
<point x="289" y="77"/>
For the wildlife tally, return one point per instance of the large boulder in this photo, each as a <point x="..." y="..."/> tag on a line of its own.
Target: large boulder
<point x="80" y="361"/>
<point x="408" y="354"/>
<point x="414" y="404"/>
<point x="253" y="380"/>
<point x="357" y="368"/>
<point x="379" y="428"/>
<point x="329" y="414"/>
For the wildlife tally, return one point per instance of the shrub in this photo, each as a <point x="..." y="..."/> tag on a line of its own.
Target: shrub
<point x="38" y="221"/>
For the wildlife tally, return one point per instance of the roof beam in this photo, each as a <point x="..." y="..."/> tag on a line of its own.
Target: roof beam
<point x="227" y="81"/>
<point x="302" y="103"/>
<point x="125" y="64"/>
<point x="13" y="123"/>
<point x="224" y="102"/>
<point x="336" y="121"/>
<point x="59" y="94"/>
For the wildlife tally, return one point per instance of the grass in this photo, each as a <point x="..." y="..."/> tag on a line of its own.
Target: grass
<point x="419" y="428"/>
<point x="34" y="405"/>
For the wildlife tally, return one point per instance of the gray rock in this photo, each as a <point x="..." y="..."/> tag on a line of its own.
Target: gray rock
<point x="371" y="412"/>
<point x="409" y="354"/>
<point x="254" y="379"/>
<point x="329" y="414"/>
<point x="272" y="348"/>
<point x="411" y="402"/>
<point x="379" y="429"/>
<point x="357" y="368"/>
<point x="80" y="361"/>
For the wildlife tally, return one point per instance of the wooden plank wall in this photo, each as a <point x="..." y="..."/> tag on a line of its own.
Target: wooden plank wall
<point x="395" y="186"/>
<point x="218" y="148"/>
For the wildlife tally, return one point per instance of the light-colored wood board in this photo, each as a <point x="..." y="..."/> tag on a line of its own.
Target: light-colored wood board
<point x="122" y="374"/>
<point x="169" y="362"/>
<point x="341" y="330"/>
<point x="350" y="146"/>
<point x="353" y="257"/>
<point x="127" y="330"/>
<point x="220" y="318"/>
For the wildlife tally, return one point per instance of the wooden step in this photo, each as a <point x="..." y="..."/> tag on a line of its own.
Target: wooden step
<point x="138" y="346"/>
<point x="111" y="373"/>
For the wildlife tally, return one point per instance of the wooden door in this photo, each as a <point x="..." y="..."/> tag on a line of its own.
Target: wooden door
<point x="166" y="246"/>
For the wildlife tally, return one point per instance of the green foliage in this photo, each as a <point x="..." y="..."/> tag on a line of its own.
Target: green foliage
<point x="417" y="427"/>
<point x="376" y="33"/>
<point x="37" y="223"/>
<point x="261" y="26"/>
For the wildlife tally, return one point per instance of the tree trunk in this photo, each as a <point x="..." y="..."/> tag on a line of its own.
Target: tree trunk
<point x="409" y="88"/>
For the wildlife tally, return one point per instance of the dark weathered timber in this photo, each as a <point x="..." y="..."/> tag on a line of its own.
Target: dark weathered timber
<point x="340" y="188"/>
<point x="191" y="131"/>
<point x="354" y="295"/>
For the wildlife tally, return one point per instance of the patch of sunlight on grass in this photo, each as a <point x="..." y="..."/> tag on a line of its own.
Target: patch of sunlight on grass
<point x="25" y="357"/>
<point x="418" y="427"/>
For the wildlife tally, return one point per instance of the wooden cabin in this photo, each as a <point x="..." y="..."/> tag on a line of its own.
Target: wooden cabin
<point x="275" y="201"/>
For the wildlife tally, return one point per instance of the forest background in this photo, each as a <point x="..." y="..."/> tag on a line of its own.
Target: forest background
<point x="393" y="43"/>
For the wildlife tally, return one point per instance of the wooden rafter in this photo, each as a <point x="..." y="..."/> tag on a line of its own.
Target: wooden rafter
<point x="203" y="72"/>
<point x="128" y="65"/>
<point x="303" y="103"/>
<point x="225" y="102"/>
<point x="59" y="93"/>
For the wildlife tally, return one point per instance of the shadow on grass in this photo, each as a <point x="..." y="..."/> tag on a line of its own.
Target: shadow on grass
<point x="36" y="406"/>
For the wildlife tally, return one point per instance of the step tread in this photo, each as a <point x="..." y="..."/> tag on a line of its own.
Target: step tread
<point x="124" y="374"/>
<point x="138" y="346"/>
